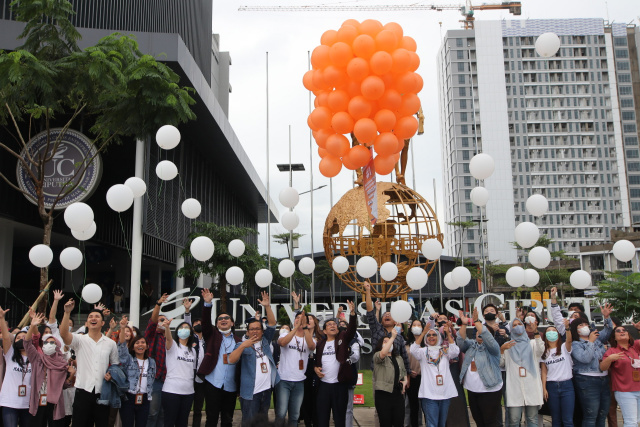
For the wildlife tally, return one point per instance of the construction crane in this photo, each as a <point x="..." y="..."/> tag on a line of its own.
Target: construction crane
<point x="467" y="10"/>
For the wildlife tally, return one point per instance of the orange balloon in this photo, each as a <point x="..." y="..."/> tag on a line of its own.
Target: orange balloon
<point x="395" y="28"/>
<point x="321" y="136"/>
<point x="370" y="27"/>
<point x="401" y="60"/>
<point x="319" y="81"/>
<point x="357" y="69"/>
<point x="372" y="87"/>
<point x="353" y="22"/>
<point x="364" y="46"/>
<point x="352" y="88"/>
<point x="409" y="44"/>
<point x="320" y="117"/>
<point x="386" y="40"/>
<point x="320" y="57"/>
<point x="340" y="54"/>
<point x="330" y="166"/>
<point x="347" y="33"/>
<point x="342" y="122"/>
<point x="390" y="100"/>
<point x="400" y="145"/>
<point x="414" y="61"/>
<point x="322" y="152"/>
<point x="307" y="80"/>
<point x="329" y="37"/>
<point x="348" y="163"/>
<point x="406" y="127"/>
<point x="359" y="156"/>
<point x="410" y="104"/>
<point x="359" y="107"/>
<point x="338" y="100"/>
<point x="365" y="130"/>
<point x="311" y="125"/>
<point x="337" y="145"/>
<point x="419" y="82"/>
<point x="406" y="82"/>
<point x="384" y="165"/>
<point x="323" y="99"/>
<point x="334" y="76"/>
<point x="385" y="120"/>
<point x="385" y="144"/>
<point x="381" y="63"/>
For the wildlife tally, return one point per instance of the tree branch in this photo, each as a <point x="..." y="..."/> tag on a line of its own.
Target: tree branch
<point x="21" y="159"/>
<point x="64" y="130"/>
<point x="15" y="124"/>
<point x="12" y="185"/>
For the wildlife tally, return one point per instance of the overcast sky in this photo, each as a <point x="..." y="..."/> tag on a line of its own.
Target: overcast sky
<point x="289" y="36"/>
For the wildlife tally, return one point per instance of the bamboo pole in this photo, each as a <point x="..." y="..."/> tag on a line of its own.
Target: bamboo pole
<point x="27" y="319"/>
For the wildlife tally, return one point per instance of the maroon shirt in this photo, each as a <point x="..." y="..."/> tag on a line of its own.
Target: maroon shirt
<point x="620" y="371"/>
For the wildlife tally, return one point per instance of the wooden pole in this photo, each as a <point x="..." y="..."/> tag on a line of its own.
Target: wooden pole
<point x="27" y="319"/>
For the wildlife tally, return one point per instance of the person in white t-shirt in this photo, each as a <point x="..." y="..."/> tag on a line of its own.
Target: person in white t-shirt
<point x="295" y="347"/>
<point x="178" y="392"/>
<point x="557" y="376"/>
<point x="16" y="386"/>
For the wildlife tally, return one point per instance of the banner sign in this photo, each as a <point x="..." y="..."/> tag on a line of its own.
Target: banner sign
<point x="370" y="190"/>
<point x="358" y="399"/>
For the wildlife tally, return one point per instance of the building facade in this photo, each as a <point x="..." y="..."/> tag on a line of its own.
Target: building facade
<point x="565" y="127"/>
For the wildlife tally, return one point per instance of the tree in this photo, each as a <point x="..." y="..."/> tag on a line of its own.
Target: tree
<point x="623" y="292"/>
<point x="283" y="239"/>
<point x="49" y="82"/>
<point x="250" y="261"/>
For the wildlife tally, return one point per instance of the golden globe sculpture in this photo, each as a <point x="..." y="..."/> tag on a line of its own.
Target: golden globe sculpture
<point x="405" y="221"/>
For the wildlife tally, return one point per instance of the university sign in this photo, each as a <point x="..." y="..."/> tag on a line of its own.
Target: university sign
<point x="74" y="154"/>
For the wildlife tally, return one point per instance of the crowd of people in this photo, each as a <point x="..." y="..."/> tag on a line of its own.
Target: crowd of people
<point x="426" y="371"/>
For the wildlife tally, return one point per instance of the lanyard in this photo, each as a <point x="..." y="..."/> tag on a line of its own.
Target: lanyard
<point x="24" y="372"/>
<point x="141" y="372"/>
<point x="297" y="346"/>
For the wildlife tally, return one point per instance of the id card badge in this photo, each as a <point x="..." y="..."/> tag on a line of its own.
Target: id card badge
<point x="225" y="359"/>
<point x="263" y="367"/>
<point x="301" y="365"/>
<point x="22" y="390"/>
<point x="139" y="398"/>
<point x="636" y="376"/>
<point x="43" y="400"/>
<point x="439" y="380"/>
<point x="523" y="372"/>
<point x="474" y="368"/>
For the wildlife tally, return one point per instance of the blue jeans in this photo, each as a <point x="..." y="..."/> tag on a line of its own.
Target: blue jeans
<point x="561" y="402"/>
<point x="156" y="415"/>
<point x="435" y="411"/>
<point x="530" y="415"/>
<point x="258" y="405"/>
<point x="12" y="417"/>
<point x="289" y="397"/>
<point x="595" y="397"/>
<point x="629" y="402"/>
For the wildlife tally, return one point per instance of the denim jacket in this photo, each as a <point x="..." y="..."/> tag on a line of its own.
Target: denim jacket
<point x="587" y="355"/>
<point x="487" y="361"/>
<point x="132" y="368"/>
<point x="114" y="390"/>
<point x="248" y="365"/>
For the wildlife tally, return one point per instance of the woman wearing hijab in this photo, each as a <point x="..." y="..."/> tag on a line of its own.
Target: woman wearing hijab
<point x="520" y="358"/>
<point x="437" y="387"/>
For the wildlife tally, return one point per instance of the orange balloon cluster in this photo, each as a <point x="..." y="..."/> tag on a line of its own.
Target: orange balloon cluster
<point x="364" y="80"/>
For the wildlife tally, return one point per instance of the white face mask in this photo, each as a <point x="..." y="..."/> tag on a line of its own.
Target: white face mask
<point x="584" y="331"/>
<point x="416" y="330"/>
<point x="225" y="331"/>
<point x="49" y="348"/>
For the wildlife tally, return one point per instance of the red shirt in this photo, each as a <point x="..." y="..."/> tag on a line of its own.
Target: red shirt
<point x="620" y="371"/>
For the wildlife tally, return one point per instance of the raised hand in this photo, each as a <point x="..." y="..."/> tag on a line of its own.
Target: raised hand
<point x="69" y="306"/>
<point x="554" y="293"/>
<point x="464" y="319"/>
<point x="207" y="296"/>
<point x="265" y="299"/>
<point x="112" y="324"/>
<point x="36" y="319"/>
<point x="366" y="286"/>
<point x="57" y="295"/>
<point x="593" y="336"/>
<point x="167" y="323"/>
<point x="475" y="315"/>
<point x="124" y="321"/>
<point x="163" y="298"/>
<point x="378" y="304"/>
<point x="186" y="303"/>
<point x="296" y="297"/>
<point x="508" y="345"/>
<point x="606" y="310"/>
<point x="297" y="324"/>
<point x="99" y="306"/>
<point x="352" y="307"/>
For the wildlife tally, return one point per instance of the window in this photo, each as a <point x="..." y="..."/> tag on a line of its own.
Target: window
<point x="630" y="140"/>
<point x="470" y="233"/>
<point x="634" y="166"/>
<point x="465" y="154"/>
<point x="463" y="103"/>
<point x="624" y="78"/>
<point x="626" y="103"/>
<point x="635" y="206"/>
<point x="461" y="78"/>
<point x="628" y="115"/>
<point x="465" y="142"/>
<point x="622" y="53"/>
<point x="471" y="248"/>
<point x="467" y="194"/>
<point x="620" y="41"/>
<point x="463" y="117"/>
<point x="629" y="128"/>
<point x="624" y="90"/>
<point x="622" y="65"/>
<point x="634" y="192"/>
<point x="464" y="129"/>
<point x="467" y="181"/>
<point x="468" y="207"/>
<point x="463" y="91"/>
<point x="459" y="43"/>
<point x="460" y="54"/>
<point x="465" y="167"/>
<point x="634" y="179"/>
<point x="632" y="154"/>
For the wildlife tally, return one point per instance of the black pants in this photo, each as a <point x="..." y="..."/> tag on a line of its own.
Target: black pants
<point x="132" y="414"/>
<point x="87" y="412"/>
<point x="390" y="407"/>
<point x="332" y="397"/>
<point x="414" y="402"/>
<point x="198" y="402"/>
<point x="176" y="409"/>
<point x="44" y="416"/>
<point x="486" y="408"/>
<point x="220" y="403"/>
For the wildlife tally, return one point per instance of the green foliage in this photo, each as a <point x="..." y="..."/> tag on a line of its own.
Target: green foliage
<point x="623" y="292"/>
<point x="283" y="239"/>
<point x="545" y="241"/>
<point x="463" y="224"/>
<point x="300" y="281"/>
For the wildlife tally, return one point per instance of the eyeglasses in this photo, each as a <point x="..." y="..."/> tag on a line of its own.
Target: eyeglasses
<point x="254" y="329"/>
<point x="224" y="318"/>
<point x="621" y="330"/>
<point x="432" y="335"/>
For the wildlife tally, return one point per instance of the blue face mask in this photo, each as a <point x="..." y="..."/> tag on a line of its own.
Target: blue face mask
<point x="183" y="334"/>
<point x="518" y="330"/>
<point x="399" y="329"/>
<point x="551" y="336"/>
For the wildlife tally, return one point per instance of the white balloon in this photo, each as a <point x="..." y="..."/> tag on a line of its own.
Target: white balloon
<point x="340" y="264"/>
<point x="289" y="197"/>
<point x="624" y="250"/>
<point x="547" y="44"/>
<point x="479" y="196"/>
<point x="537" y="205"/>
<point x="263" y="278"/>
<point x="400" y="311"/>
<point x="286" y="268"/>
<point x="527" y="234"/>
<point x="515" y="276"/>
<point x="388" y="271"/>
<point x="168" y="137"/>
<point x="41" y="255"/>
<point x="306" y="265"/>
<point x="531" y="277"/>
<point x="136" y="185"/>
<point x="91" y="293"/>
<point x="289" y="220"/>
<point x="482" y="166"/>
<point x="461" y="276"/>
<point x="234" y="275"/>
<point x="236" y="247"/>
<point x="416" y="278"/>
<point x="366" y="266"/>
<point x="202" y="248"/>
<point x="191" y="208"/>
<point x="432" y="249"/>
<point x="78" y="216"/>
<point x="71" y="258"/>
<point x="119" y="197"/>
<point x="580" y="279"/>
<point x="540" y="257"/>
<point x="448" y="282"/>
<point x="86" y="234"/>
<point x="166" y="170"/>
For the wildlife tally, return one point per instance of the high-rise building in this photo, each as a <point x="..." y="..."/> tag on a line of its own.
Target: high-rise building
<point x="565" y="127"/>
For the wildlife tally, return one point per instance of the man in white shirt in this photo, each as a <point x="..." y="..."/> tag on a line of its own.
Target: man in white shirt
<point x="94" y="353"/>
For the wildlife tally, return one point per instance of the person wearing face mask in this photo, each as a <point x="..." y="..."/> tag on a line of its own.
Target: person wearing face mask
<point x="16" y="385"/>
<point x="520" y="358"/>
<point x="415" y="410"/>
<point x="390" y="385"/>
<point x="177" y="390"/>
<point x="557" y="385"/>
<point x="198" y="385"/>
<point x="155" y="337"/>
<point x="590" y="383"/>
<point x="480" y="372"/>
